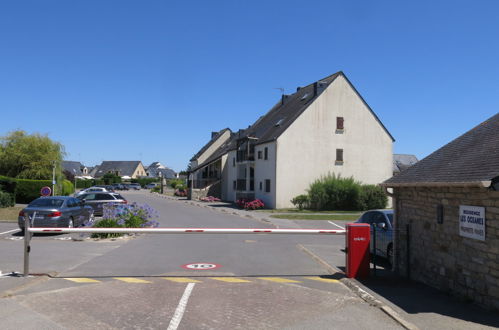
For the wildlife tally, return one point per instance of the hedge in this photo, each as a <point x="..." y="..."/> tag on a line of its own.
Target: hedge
<point x="67" y="188"/>
<point x="8" y="184"/>
<point x="335" y="193"/>
<point x="29" y="190"/>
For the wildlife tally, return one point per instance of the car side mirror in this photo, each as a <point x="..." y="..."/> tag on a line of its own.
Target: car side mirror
<point x="381" y="225"/>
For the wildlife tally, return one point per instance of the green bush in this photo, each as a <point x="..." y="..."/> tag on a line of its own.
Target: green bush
<point x="107" y="223"/>
<point x="372" y="197"/>
<point x="84" y="183"/>
<point x="174" y="183"/>
<point x="334" y="193"/>
<point x="6" y="199"/>
<point x="301" y="201"/>
<point x="110" y="178"/>
<point x="29" y="190"/>
<point x="67" y="188"/>
<point x="8" y="184"/>
<point x="156" y="189"/>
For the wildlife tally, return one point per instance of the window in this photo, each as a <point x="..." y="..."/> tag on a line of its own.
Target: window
<point x="261" y="185"/>
<point x="340" y="123"/>
<point x="234" y="183"/>
<point x="233" y="161"/>
<point x="266" y="153"/>
<point x="339" y="155"/>
<point x="267" y="185"/>
<point x="259" y="154"/>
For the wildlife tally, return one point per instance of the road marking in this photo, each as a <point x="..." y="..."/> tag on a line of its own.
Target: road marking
<point x="320" y="279"/>
<point x="131" y="280"/>
<point x="230" y="279"/>
<point x="81" y="280"/>
<point x="179" y="312"/>
<point x="181" y="279"/>
<point x="336" y="225"/>
<point x="10" y="231"/>
<point x="278" y="279"/>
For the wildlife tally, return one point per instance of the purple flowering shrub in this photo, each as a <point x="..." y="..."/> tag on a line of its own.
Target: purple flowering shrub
<point x="181" y="192"/>
<point x="250" y="205"/>
<point x="126" y="216"/>
<point x="209" y="199"/>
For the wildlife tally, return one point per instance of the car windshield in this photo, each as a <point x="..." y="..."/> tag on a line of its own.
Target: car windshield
<point x="390" y="218"/>
<point x="47" y="202"/>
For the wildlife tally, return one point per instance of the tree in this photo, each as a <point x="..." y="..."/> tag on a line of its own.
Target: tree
<point x="30" y="156"/>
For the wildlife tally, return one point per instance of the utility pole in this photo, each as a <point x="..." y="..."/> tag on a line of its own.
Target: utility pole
<point x="53" y="178"/>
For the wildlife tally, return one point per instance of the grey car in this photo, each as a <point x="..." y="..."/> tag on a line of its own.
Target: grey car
<point x="98" y="199"/>
<point x="381" y="222"/>
<point x="56" y="211"/>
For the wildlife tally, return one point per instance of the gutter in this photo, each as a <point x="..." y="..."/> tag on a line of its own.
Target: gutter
<point x="480" y="184"/>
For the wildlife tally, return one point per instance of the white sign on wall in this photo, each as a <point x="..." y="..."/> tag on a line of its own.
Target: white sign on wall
<point x="472" y="222"/>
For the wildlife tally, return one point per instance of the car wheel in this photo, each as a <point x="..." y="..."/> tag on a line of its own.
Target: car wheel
<point x="389" y="254"/>
<point x="71" y="223"/>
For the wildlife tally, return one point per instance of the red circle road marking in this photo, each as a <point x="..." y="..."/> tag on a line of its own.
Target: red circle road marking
<point x="201" y="266"/>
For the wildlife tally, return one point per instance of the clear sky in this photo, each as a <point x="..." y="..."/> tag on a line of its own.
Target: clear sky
<point x="149" y="80"/>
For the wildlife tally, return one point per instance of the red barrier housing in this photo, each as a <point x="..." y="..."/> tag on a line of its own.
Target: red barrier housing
<point x="357" y="247"/>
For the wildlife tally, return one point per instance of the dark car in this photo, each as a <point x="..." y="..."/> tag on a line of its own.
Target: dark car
<point x="56" y="211"/>
<point x="381" y="222"/>
<point x="98" y="199"/>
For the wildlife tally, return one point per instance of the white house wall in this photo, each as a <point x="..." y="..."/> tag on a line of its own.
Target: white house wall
<point x="307" y="149"/>
<point x="266" y="170"/>
<point x="231" y="176"/>
<point x="213" y="147"/>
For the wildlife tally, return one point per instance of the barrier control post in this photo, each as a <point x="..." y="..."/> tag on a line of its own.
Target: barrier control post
<point x="357" y="241"/>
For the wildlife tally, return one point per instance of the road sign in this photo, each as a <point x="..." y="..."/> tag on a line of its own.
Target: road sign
<point x="45" y="191"/>
<point x="201" y="266"/>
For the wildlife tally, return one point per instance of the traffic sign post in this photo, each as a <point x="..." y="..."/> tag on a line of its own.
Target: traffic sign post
<point x="45" y="191"/>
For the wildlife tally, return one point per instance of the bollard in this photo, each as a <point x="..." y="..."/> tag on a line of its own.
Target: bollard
<point x="27" y="239"/>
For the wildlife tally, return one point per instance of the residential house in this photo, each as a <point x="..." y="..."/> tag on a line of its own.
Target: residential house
<point x="402" y="162"/>
<point x="156" y="169"/>
<point x="75" y="168"/>
<point x="124" y="169"/>
<point x="447" y="216"/>
<point x="325" y="127"/>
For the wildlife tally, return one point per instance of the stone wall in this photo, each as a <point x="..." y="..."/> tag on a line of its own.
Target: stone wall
<point x="214" y="190"/>
<point x="437" y="254"/>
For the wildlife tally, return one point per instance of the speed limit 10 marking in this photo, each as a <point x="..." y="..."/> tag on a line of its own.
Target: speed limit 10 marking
<point x="200" y="266"/>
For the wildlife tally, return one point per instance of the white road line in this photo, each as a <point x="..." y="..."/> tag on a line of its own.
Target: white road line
<point x="10" y="231"/>
<point x="336" y="225"/>
<point x="179" y="312"/>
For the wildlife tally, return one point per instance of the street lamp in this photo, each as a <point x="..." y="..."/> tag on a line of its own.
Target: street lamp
<point x="161" y="181"/>
<point x="75" y="178"/>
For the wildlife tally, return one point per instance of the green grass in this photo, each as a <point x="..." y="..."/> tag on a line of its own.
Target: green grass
<point x="348" y="217"/>
<point x="9" y="213"/>
<point x="292" y="210"/>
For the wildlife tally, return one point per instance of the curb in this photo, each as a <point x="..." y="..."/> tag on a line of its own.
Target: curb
<point x="38" y="278"/>
<point x="356" y="288"/>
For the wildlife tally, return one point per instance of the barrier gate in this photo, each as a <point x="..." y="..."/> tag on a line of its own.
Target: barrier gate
<point x="29" y="231"/>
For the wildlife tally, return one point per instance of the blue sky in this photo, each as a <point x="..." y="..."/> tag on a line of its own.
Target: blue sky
<point x="149" y="80"/>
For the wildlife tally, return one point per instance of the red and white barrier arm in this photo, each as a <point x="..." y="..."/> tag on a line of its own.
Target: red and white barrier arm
<point x="189" y="231"/>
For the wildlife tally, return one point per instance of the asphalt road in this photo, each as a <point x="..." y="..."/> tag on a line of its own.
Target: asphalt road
<point x="259" y="281"/>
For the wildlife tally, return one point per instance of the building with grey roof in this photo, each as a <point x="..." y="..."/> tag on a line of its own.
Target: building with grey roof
<point x="402" y="162"/>
<point x="447" y="216"/>
<point x="124" y="169"/>
<point x="324" y="127"/>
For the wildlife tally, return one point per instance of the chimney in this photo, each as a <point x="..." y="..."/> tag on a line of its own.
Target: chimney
<point x="298" y="88"/>
<point x="283" y="98"/>
<point x="315" y="88"/>
<point x="213" y="134"/>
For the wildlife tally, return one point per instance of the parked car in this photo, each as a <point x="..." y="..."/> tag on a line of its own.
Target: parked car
<point x="97" y="200"/>
<point x="91" y="189"/>
<point x="151" y="185"/>
<point x="135" y="186"/>
<point x="56" y="211"/>
<point x="108" y="187"/>
<point x="381" y="222"/>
